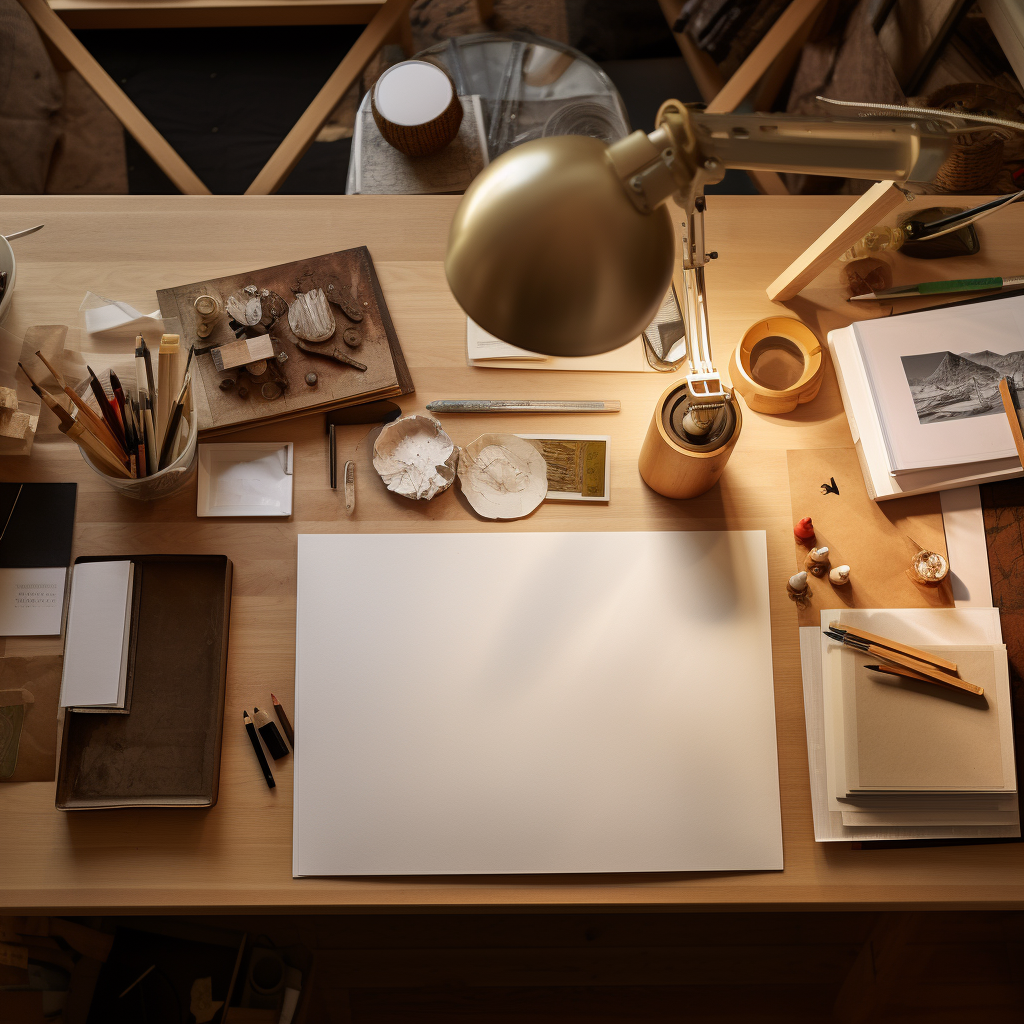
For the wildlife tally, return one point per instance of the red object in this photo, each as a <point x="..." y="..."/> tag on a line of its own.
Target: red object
<point x="804" y="530"/>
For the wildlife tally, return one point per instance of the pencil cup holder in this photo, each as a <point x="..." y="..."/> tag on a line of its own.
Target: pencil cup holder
<point x="168" y="481"/>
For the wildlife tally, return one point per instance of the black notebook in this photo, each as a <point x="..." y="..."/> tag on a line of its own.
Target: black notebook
<point x="37" y="522"/>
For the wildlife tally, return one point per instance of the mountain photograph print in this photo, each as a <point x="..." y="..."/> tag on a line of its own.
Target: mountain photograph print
<point x="952" y="386"/>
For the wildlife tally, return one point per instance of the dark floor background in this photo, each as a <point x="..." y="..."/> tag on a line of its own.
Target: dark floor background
<point x="711" y="968"/>
<point x="224" y="98"/>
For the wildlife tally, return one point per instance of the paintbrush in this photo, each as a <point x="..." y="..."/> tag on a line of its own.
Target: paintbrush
<point x="96" y="423"/>
<point x="79" y="434"/>
<point x="911" y="652"/>
<point x="933" y="675"/>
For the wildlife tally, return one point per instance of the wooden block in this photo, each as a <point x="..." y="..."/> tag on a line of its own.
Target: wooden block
<point x="876" y="204"/>
<point x="242" y="352"/>
<point x="13" y="425"/>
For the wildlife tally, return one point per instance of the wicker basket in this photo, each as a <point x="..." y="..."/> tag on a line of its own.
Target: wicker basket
<point x="975" y="158"/>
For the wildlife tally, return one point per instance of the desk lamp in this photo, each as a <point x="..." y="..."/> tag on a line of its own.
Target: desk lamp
<point x="565" y="246"/>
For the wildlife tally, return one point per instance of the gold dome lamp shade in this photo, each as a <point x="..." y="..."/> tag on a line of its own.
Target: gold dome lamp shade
<point x="547" y="252"/>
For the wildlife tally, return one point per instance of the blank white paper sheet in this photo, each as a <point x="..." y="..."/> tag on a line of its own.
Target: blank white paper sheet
<point x="496" y="703"/>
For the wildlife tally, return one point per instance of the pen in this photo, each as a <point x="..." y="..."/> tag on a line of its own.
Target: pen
<point x="282" y="717"/>
<point x="106" y="409"/>
<point x="520" y="405"/>
<point x="141" y="383"/>
<point x="147" y="362"/>
<point x="250" y="728"/>
<point x="152" y="462"/>
<point x="971" y="284"/>
<point x="173" y="421"/>
<point x="115" y="386"/>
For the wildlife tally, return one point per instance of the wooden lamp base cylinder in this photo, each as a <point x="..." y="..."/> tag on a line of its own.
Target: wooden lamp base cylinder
<point x="674" y="470"/>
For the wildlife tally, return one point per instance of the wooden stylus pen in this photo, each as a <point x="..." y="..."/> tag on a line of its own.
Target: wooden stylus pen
<point x="250" y="728"/>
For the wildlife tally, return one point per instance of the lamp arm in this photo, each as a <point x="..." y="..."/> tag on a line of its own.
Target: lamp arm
<point x="690" y="149"/>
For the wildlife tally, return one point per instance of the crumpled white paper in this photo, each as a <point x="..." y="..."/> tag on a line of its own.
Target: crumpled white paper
<point x="415" y="457"/>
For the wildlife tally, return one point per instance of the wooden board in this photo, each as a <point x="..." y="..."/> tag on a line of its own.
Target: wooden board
<point x="179" y="860"/>
<point x="877" y="540"/>
<point x="351" y="273"/>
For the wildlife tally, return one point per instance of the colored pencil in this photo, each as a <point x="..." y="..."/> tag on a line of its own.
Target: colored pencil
<point x="282" y="717"/>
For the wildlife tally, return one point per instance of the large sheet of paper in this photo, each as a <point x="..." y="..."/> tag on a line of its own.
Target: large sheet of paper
<point x="534" y="702"/>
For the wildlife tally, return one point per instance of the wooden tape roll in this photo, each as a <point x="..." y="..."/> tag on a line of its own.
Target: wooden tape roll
<point x="777" y="366"/>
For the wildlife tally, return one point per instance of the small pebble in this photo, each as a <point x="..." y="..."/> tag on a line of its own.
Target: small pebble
<point x="311" y="379"/>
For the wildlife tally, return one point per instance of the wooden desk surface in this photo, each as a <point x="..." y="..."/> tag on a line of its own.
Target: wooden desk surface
<point x="238" y="854"/>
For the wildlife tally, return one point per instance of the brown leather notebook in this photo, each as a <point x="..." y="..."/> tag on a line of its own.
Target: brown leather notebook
<point x="166" y="751"/>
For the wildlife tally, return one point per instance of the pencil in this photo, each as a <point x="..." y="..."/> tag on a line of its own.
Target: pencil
<point x="282" y="717"/>
<point x="272" y="738"/>
<point x="260" y="756"/>
<point x="1009" y="397"/>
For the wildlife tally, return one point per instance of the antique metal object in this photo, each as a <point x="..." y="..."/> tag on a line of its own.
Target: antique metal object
<point x="350" y="309"/>
<point x="311" y="379"/>
<point x="310" y="317"/>
<point x="256" y="307"/>
<point x="351" y="337"/>
<point x="330" y="353"/>
<point x="209" y="309"/>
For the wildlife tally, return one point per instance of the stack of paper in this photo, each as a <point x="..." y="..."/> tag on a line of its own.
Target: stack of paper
<point x="921" y="392"/>
<point x="900" y="752"/>
<point x="98" y="633"/>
